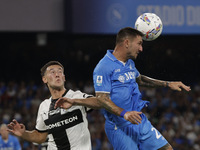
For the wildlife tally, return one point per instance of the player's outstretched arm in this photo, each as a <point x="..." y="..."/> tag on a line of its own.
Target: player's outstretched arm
<point x="100" y="101"/>
<point x="66" y="103"/>
<point x="20" y="131"/>
<point x="150" y="82"/>
<point x="106" y="102"/>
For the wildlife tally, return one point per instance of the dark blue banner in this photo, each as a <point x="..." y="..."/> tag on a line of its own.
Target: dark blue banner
<point x="108" y="16"/>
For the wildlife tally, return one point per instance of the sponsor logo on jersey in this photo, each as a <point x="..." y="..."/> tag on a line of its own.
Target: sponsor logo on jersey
<point x="121" y="78"/>
<point x="99" y="80"/>
<point x="52" y="112"/>
<point x="127" y="76"/>
<point x="63" y="121"/>
<point x="130" y="75"/>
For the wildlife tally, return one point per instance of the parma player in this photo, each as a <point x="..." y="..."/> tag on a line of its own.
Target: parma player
<point x="66" y="129"/>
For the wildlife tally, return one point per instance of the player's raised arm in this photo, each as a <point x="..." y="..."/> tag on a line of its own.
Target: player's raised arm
<point x="66" y="103"/>
<point x="20" y="131"/>
<point x="150" y="82"/>
<point x="101" y="100"/>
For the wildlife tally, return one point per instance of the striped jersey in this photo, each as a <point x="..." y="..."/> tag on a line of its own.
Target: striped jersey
<point x="67" y="128"/>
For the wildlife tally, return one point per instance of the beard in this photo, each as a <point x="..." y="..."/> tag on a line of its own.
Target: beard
<point x="129" y="56"/>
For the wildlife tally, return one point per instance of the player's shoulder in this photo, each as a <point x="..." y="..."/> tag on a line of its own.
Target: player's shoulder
<point x="76" y="94"/>
<point x="45" y="102"/>
<point x="104" y="65"/>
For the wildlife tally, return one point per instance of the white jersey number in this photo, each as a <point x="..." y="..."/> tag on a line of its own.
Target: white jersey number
<point x="157" y="134"/>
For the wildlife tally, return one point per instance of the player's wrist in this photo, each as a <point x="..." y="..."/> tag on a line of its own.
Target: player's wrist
<point x="167" y="83"/>
<point x="123" y="113"/>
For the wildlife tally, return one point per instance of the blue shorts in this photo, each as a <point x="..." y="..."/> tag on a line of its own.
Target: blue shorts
<point x="138" y="137"/>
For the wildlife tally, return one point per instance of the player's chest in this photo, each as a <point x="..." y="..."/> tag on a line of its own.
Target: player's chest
<point x="123" y="75"/>
<point x="56" y="120"/>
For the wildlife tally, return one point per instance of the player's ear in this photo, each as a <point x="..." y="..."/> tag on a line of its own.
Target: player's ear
<point x="126" y="42"/>
<point x="44" y="79"/>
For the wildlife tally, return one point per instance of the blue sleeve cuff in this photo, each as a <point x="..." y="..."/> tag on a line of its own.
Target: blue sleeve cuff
<point x="122" y="113"/>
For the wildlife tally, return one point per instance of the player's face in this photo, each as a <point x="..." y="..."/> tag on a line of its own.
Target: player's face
<point x="54" y="77"/>
<point x="4" y="133"/>
<point x="135" y="47"/>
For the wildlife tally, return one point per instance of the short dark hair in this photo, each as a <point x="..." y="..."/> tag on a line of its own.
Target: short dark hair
<point x="127" y="32"/>
<point x="50" y="63"/>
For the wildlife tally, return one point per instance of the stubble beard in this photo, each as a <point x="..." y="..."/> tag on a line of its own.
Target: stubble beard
<point x="129" y="56"/>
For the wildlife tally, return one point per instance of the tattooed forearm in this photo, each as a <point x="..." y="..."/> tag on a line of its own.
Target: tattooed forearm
<point x="103" y="100"/>
<point x="106" y="102"/>
<point x="149" y="82"/>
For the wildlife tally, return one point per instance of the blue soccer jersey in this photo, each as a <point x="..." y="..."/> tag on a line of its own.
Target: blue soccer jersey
<point x="119" y="80"/>
<point x="11" y="144"/>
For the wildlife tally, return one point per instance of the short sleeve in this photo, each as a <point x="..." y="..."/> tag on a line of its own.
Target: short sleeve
<point x="79" y="94"/>
<point x="40" y="124"/>
<point x="137" y="73"/>
<point x="102" y="79"/>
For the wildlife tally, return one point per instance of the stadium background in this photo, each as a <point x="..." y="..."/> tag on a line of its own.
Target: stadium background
<point x="78" y="34"/>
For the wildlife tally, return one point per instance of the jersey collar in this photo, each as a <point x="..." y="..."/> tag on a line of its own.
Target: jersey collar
<point x="62" y="96"/>
<point x="113" y="58"/>
<point x="110" y="55"/>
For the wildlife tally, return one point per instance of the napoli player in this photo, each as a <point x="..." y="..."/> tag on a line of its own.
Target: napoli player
<point x="116" y="77"/>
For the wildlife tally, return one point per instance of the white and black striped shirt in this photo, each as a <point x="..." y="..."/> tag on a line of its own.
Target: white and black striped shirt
<point x="68" y="129"/>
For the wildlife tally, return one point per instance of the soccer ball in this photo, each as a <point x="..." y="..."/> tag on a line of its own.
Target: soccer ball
<point x="150" y="25"/>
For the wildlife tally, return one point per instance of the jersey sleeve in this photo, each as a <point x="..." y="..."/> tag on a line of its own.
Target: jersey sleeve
<point x="102" y="79"/>
<point x="137" y="73"/>
<point x="79" y="94"/>
<point x="40" y="125"/>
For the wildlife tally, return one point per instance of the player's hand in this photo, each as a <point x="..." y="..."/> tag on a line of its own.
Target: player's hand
<point x="133" y="117"/>
<point x="64" y="102"/>
<point x="16" y="128"/>
<point x="178" y="86"/>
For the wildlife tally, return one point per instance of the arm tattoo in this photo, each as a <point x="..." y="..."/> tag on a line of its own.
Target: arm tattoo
<point x="149" y="82"/>
<point x="107" y="103"/>
<point x="103" y="99"/>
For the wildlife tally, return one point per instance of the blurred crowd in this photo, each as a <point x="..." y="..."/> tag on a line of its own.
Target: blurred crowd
<point x="175" y="114"/>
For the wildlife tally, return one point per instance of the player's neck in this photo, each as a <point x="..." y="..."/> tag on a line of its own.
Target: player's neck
<point x="119" y="54"/>
<point x="57" y="93"/>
